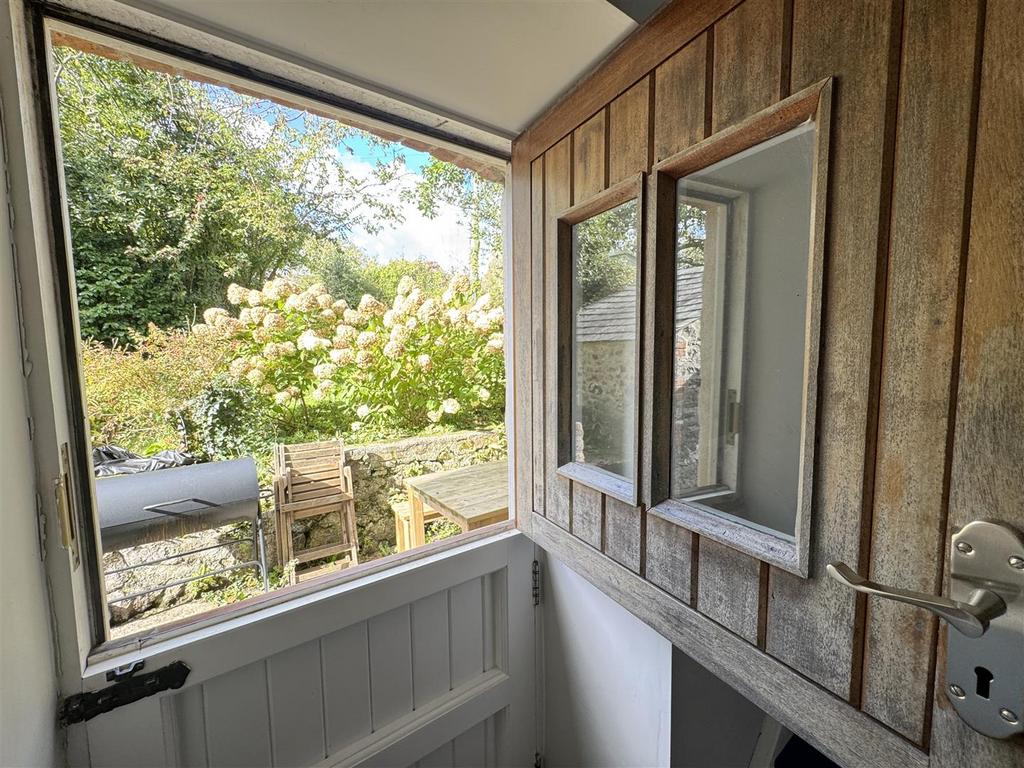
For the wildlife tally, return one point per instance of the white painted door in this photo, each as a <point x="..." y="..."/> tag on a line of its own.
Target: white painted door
<point x="427" y="664"/>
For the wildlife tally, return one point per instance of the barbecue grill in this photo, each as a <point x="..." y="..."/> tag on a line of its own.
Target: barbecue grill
<point x="158" y="505"/>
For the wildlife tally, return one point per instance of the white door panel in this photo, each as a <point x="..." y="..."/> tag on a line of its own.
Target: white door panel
<point x="433" y="663"/>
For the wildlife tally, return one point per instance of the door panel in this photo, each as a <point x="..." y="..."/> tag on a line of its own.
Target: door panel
<point x="421" y="672"/>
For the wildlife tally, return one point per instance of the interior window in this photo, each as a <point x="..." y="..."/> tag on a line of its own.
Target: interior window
<point x="292" y="336"/>
<point x="604" y="323"/>
<point x="742" y="248"/>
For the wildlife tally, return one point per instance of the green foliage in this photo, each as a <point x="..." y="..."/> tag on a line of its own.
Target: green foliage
<point x="226" y="420"/>
<point x="134" y="391"/>
<point x="341" y="268"/>
<point x="605" y="248"/>
<point x="691" y="232"/>
<point x="324" y="367"/>
<point x="176" y="189"/>
<point x="429" y="276"/>
<point x="479" y="201"/>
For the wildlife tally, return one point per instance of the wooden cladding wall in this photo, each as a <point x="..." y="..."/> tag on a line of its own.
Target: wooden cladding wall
<point x="920" y="411"/>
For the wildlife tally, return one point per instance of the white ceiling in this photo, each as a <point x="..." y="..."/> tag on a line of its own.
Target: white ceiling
<point x="494" y="63"/>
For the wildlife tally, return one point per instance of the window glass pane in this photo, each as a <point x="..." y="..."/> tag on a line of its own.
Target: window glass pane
<point x="742" y="249"/>
<point x="604" y="316"/>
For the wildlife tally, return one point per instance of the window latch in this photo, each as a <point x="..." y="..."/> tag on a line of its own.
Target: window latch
<point x="128" y="688"/>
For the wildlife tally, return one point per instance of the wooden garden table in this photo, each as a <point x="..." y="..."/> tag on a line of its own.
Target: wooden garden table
<point x="471" y="497"/>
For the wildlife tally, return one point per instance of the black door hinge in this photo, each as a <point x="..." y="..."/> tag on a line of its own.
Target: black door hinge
<point x="538" y="760"/>
<point x="85" y="706"/>
<point x="537" y="583"/>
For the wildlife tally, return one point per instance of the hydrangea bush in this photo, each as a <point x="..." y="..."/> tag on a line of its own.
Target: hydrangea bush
<point x="376" y="367"/>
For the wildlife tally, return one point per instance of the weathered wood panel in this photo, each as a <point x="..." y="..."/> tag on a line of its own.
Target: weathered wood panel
<point x="587" y="514"/>
<point x="557" y="197"/>
<point x="813" y="625"/>
<point x="623" y="532"/>
<point x="747" y="62"/>
<point x="537" y="318"/>
<point x="628" y="133"/>
<point x="933" y="141"/>
<point x="679" y="98"/>
<point x="988" y="452"/>
<point x="746" y="78"/>
<point x="671" y="556"/>
<point x="521" y="284"/>
<point x="589" y="155"/>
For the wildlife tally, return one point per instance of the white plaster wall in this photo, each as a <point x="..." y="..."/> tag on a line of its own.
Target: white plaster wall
<point x="28" y="687"/>
<point x="608" y="679"/>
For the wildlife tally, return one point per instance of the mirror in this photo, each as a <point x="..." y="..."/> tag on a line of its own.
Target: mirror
<point x="603" y="339"/>
<point x="741" y="332"/>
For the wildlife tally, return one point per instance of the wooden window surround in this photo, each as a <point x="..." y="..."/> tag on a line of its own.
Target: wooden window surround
<point x="790" y="553"/>
<point x="617" y="486"/>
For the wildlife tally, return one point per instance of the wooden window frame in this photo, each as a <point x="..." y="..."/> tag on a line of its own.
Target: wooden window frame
<point x="622" y="488"/>
<point x="791" y="554"/>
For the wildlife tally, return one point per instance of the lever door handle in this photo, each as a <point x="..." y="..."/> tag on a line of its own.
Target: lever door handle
<point x="970" y="617"/>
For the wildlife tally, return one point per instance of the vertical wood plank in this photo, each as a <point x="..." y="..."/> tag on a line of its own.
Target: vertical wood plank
<point x="538" y="412"/>
<point x="238" y="717"/>
<point x="466" y="631"/>
<point x="431" y="673"/>
<point x="988" y="452"/>
<point x="189" y="727"/>
<point x="933" y="138"/>
<point x="670" y="557"/>
<point x="679" y="99"/>
<point x="728" y="588"/>
<point x="814" y="625"/>
<point x="390" y="666"/>
<point x="622" y="532"/>
<point x="521" y="287"/>
<point x="748" y="57"/>
<point x="557" y="197"/>
<point x="588" y="158"/>
<point x="470" y="748"/>
<point x="587" y="514"/>
<point x="628" y="135"/>
<point x="346" y="683"/>
<point x="295" y="692"/>
<point x="746" y="78"/>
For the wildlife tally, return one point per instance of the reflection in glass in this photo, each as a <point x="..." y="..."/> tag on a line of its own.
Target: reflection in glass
<point x="742" y="249"/>
<point x="604" y="317"/>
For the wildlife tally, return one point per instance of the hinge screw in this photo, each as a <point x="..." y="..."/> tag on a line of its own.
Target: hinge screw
<point x="964" y="548"/>
<point x="1008" y="716"/>
<point x="1016" y="561"/>
<point x="956" y="690"/>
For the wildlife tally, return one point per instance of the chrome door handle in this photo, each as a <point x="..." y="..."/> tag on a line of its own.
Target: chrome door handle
<point x="970" y="617"/>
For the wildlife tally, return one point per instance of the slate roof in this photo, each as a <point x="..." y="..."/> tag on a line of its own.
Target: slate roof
<point x="613" y="318"/>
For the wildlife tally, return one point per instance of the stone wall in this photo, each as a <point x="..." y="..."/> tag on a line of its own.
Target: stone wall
<point x="378" y="471"/>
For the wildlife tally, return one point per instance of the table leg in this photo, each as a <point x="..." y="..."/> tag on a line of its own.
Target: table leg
<point x="416" y="522"/>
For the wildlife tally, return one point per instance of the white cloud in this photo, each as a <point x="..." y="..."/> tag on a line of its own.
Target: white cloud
<point x="442" y="239"/>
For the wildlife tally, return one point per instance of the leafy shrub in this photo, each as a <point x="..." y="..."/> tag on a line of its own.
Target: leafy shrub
<point x="321" y="365"/>
<point x="134" y="391"/>
<point x="227" y="420"/>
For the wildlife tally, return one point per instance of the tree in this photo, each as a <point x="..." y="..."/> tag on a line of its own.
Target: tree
<point x="605" y="250"/>
<point x="478" y="200"/>
<point x="176" y="189"/>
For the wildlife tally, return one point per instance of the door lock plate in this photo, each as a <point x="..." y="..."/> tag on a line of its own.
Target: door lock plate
<point x="985" y="675"/>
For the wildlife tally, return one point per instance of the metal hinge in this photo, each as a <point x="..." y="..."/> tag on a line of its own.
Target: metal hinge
<point x="65" y="509"/>
<point x="538" y="760"/>
<point x="129" y="688"/>
<point x="537" y="583"/>
<point x="732" y="417"/>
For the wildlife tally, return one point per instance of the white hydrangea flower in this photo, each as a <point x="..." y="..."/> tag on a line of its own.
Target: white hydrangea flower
<point x="483" y="393"/>
<point x="201" y="329"/>
<point x="345" y="334"/>
<point x="238" y="367"/>
<point x="460" y="284"/>
<point x="268" y="389"/>
<point x="389" y="318"/>
<point x="256" y="377"/>
<point x="413" y="300"/>
<point x="317" y="289"/>
<point x="411" y="322"/>
<point x="448" y="297"/>
<point x="482" y="303"/>
<point x="434" y="416"/>
<point x="370" y="306"/>
<point x="283" y="398"/>
<point x="274" y="321"/>
<point x="326" y="385"/>
<point x="324" y="370"/>
<point x="354" y="317"/>
<point x="356" y="426"/>
<point x="211" y="315"/>
<point x="451" y="406"/>
<point x="399" y="334"/>
<point x="254" y="298"/>
<point x="342" y="356"/>
<point x="429" y="310"/>
<point x="364" y="358"/>
<point x="339" y="306"/>
<point x="496" y="316"/>
<point x="496" y="342"/>
<point x="228" y="325"/>
<point x="363" y="411"/>
<point x="324" y="300"/>
<point x="455" y="316"/>
<point x="294" y="391"/>
<point x="236" y="294"/>
<point x="365" y="339"/>
<point x="270" y="351"/>
<point x="308" y="341"/>
<point x="393" y="350"/>
<point x="405" y="285"/>
<point x="327" y="314"/>
<point x="424" y="362"/>
<point x="258" y="314"/>
<point x="482" y="324"/>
